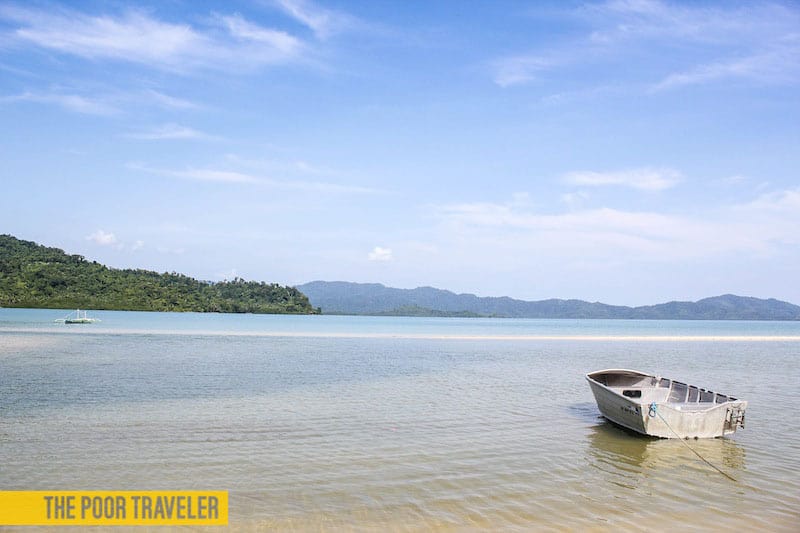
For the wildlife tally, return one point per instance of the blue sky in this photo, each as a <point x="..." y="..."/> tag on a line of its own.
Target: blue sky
<point x="630" y="152"/>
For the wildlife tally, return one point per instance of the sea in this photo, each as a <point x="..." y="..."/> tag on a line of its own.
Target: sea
<point x="351" y="423"/>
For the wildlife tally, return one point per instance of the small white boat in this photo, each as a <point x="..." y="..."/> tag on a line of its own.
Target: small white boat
<point x="662" y="407"/>
<point x="78" y="317"/>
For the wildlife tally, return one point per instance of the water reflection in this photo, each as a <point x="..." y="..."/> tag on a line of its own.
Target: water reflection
<point x="586" y="411"/>
<point x="615" y="450"/>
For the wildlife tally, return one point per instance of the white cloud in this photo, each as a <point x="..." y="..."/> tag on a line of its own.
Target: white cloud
<point x="787" y="200"/>
<point x="519" y="70"/>
<point x="236" y="177"/>
<point x="512" y="235"/>
<point x="323" y="22"/>
<point x="169" y="102"/>
<point x="102" y="238"/>
<point x="645" y="179"/>
<point x="307" y="168"/>
<point x="172" y="132"/>
<point x="506" y="215"/>
<point x="564" y="253"/>
<point x="113" y="103"/>
<point x="508" y="233"/>
<point x="138" y="37"/>
<point x="133" y="36"/>
<point x="574" y="200"/>
<point x="626" y="20"/>
<point x="243" y="30"/>
<point x="380" y="254"/>
<point x="220" y="176"/>
<point x="746" y="24"/>
<point x="704" y="44"/>
<point x="778" y="66"/>
<point x="705" y="73"/>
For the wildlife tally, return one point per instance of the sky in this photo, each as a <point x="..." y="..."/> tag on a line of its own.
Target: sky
<point x="630" y="152"/>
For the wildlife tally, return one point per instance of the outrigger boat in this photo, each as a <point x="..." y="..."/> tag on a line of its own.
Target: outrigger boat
<point x="661" y="407"/>
<point x="78" y="317"/>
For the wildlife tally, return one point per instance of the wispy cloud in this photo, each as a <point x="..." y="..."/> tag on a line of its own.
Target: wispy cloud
<point x="600" y="234"/>
<point x="71" y="102"/>
<point x="243" y="30"/>
<point x="298" y="167"/>
<point x="520" y="69"/>
<point x="704" y="74"/>
<point x="786" y="200"/>
<point x="18" y="71"/>
<point x="133" y="36"/>
<point x="626" y="21"/>
<point x="590" y="220"/>
<point x="136" y="36"/>
<point x="574" y="200"/>
<point x="203" y="174"/>
<point x="777" y="66"/>
<point x="168" y="101"/>
<point x="644" y="179"/>
<point x="172" y="132"/>
<point x="323" y="22"/>
<point x="101" y="103"/>
<point x="237" y="177"/>
<point x="706" y="44"/>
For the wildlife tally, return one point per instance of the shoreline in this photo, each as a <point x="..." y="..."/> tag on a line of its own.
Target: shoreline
<point x="74" y="330"/>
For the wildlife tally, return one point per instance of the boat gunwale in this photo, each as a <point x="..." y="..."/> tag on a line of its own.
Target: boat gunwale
<point x="618" y="370"/>
<point x="675" y="406"/>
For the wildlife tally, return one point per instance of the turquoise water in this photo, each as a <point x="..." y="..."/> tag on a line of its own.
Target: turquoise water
<point x="342" y="423"/>
<point x="320" y="325"/>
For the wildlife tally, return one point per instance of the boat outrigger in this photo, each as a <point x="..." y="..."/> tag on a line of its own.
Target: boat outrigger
<point x="78" y="317"/>
<point x="661" y="407"/>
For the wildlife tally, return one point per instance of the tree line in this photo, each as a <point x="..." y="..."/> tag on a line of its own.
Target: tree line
<point x="36" y="276"/>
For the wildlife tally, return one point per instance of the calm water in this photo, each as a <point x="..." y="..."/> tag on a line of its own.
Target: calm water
<point x="395" y="423"/>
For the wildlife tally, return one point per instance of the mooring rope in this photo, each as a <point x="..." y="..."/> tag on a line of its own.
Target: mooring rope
<point x="654" y="411"/>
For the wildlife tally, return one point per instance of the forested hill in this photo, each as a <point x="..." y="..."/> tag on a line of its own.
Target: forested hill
<point x="36" y="276"/>
<point x="374" y="298"/>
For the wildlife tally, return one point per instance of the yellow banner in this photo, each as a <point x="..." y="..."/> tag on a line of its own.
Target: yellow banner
<point x="113" y="508"/>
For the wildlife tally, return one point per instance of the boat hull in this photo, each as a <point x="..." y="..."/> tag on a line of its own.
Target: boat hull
<point x="618" y="409"/>
<point x="668" y="419"/>
<point x="78" y="317"/>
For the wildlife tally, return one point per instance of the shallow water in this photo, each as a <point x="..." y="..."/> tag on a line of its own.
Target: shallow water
<point x="340" y="427"/>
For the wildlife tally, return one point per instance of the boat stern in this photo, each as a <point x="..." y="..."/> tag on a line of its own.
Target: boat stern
<point x="687" y="422"/>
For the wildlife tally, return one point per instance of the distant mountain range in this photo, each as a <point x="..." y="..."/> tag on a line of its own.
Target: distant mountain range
<point x="340" y="297"/>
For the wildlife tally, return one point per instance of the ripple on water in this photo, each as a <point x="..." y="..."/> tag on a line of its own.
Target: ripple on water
<point x="391" y="434"/>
